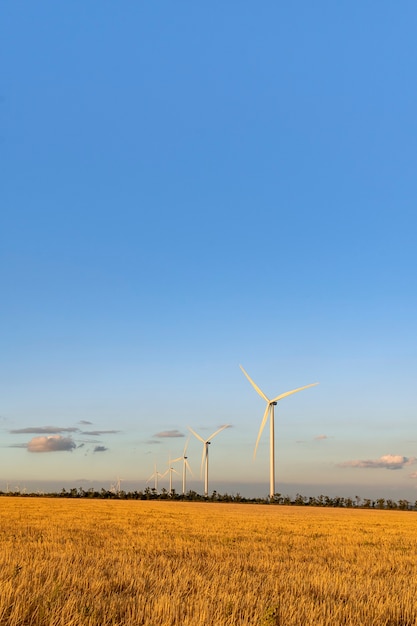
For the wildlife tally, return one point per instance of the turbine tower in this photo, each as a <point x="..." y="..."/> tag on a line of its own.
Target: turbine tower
<point x="204" y="459"/>
<point x="269" y="411"/>
<point x="185" y="465"/>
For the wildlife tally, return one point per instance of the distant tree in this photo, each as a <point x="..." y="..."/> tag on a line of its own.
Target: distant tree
<point x="299" y="500"/>
<point x="403" y="505"/>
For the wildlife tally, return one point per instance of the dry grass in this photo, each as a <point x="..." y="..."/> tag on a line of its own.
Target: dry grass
<point x="93" y="562"/>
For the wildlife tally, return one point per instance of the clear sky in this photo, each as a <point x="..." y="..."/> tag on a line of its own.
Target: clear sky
<point x="190" y="186"/>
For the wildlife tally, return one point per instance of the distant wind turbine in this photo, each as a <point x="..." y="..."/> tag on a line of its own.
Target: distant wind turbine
<point x="156" y="475"/>
<point x="116" y="487"/>
<point x="185" y="465"/>
<point x="171" y="471"/>
<point x="269" y="411"/>
<point x="204" y="459"/>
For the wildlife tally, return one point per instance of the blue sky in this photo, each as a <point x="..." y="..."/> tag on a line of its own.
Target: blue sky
<point x="187" y="187"/>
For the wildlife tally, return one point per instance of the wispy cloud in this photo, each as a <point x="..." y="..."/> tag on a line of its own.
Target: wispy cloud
<point x="319" y="437"/>
<point x="52" y="443"/>
<point x="85" y="422"/>
<point x="100" y="449"/>
<point x="388" y="461"/>
<point x="95" y="433"/>
<point x="169" y="433"/>
<point x="45" y="430"/>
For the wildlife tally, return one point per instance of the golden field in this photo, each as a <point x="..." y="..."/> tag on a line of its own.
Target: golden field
<point x="99" y="562"/>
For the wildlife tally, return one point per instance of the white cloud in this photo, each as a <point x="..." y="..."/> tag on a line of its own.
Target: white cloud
<point x="52" y="443"/>
<point x="388" y="461"/>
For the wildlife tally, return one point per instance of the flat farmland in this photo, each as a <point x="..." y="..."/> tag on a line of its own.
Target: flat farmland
<point x="130" y="563"/>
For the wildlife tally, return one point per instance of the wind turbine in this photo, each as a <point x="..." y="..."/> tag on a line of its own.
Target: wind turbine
<point x="204" y="459"/>
<point x="116" y="487"/>
<point x="155" y="476"/>
<point x="185" y="465"/>
<point x="171" y="471"/>
<point x="269" y="411"/>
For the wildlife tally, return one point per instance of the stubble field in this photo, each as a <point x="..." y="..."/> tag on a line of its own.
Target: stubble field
<point x="100" y="562"/>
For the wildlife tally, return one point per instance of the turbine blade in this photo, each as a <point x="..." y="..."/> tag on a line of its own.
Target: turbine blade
<point x="254" y="385"/>
<point x="186" y="446"/>
<point x="195" y="434"/>
<point x="264" y="420"/>
<point x="175" y="460"/>
<point x="289" y="393"/>
<point x="218" y="431"/>
<point x="187" y="465"/>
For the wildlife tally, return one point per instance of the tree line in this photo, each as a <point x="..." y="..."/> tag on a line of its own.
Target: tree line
<point x="192" y="496"/>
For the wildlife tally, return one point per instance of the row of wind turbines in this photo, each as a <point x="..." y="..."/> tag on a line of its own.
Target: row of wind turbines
<point x="269" y="412"/>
